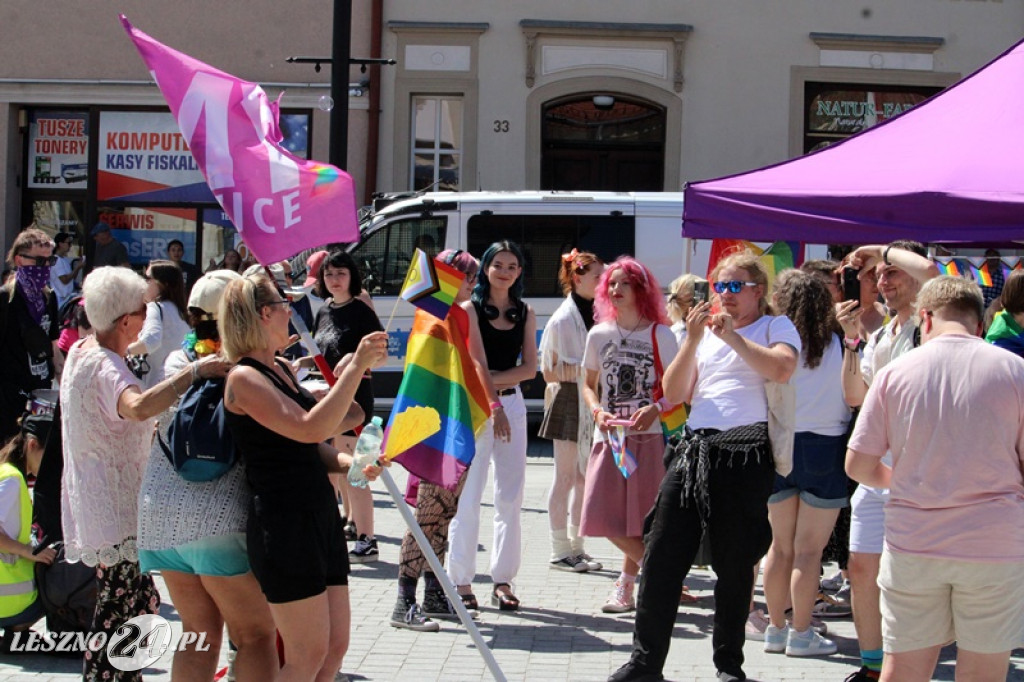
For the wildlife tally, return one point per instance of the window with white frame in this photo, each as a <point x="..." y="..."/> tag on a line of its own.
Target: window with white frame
<point x="436" y="142"/>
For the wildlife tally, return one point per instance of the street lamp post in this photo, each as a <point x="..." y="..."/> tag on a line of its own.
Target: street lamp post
<point x="340" y="52"/>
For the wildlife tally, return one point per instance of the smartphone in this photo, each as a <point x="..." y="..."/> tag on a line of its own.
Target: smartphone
<point x="851" y="284"/>
<point x="701" y="292"/>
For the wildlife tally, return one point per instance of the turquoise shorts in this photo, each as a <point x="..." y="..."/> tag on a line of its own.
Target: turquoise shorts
<point x="221" y="555"/>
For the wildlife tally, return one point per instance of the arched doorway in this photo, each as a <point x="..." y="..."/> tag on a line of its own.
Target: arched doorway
<point x="602" y="141"/>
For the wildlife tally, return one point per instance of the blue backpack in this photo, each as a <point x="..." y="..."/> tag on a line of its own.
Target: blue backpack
<point x="199" y="445"/>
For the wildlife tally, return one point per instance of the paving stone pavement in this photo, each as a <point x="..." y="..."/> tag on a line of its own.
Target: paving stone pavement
<point x="560" y="633"/>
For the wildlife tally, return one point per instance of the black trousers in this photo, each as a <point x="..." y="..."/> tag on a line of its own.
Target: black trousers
<point x="739" y="535"/>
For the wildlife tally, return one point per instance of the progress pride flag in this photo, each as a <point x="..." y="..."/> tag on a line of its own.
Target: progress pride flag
<point x="279" y="203"/>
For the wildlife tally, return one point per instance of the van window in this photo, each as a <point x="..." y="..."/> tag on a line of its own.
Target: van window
<point x="544" y="238"/>
<point x="384" y="256"/>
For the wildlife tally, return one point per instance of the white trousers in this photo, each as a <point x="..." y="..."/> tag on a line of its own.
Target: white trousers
<point x="509" y="460"/>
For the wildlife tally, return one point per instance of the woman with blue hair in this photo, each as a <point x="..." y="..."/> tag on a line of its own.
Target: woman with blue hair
<point x="508" y="327"/>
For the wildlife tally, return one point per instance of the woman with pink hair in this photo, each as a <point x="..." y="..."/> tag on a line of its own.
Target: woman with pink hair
<point x="626" y="351"/>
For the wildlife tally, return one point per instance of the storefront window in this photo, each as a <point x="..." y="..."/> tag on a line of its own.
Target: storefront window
<point x="58" y="150"/>
<point x="146" y="232"/>
<point x="61" y="216"/>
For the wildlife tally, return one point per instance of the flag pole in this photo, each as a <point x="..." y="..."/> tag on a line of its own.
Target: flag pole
<point x="410" y="522"/>
<point x="442" y="577"/>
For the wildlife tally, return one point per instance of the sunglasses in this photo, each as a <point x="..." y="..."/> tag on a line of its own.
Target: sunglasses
<point x="283" y="301"/>
<point x="734" y="287"/>
<point x="40" y="260"/>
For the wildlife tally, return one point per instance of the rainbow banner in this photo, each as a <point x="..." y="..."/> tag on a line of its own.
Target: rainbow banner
<point x="948" y="266"/>
<point x="440" y="373"/>
<point x="431" y="285"/>
<point x="980" y="271"/>
<point x="279" y="203"/>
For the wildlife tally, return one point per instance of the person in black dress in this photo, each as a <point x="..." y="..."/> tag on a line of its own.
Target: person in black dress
<point x="295" y="537"/>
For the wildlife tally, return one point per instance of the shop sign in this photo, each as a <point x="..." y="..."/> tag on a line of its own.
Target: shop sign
<point x="850" y="111"/>
<point x="143" y="157"/>
<point x="58" y="150"/>
<point x="146" y="232"/>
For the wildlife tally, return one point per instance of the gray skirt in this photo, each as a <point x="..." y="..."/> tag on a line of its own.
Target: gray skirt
<point x="562" y="417"/>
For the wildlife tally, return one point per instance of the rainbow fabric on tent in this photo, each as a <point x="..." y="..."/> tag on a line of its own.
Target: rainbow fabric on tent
<point x="440" y="373"/>
<point x="981" y="274"/>
<point x="948" y="266"/>
<point x="431" y="285"/>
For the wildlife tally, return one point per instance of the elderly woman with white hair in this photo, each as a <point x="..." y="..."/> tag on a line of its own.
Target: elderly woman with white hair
<point x="108" y="428"/>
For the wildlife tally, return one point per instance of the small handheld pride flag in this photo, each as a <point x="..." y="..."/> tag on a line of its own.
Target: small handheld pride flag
<point x="431" y="285"/>
<point x="625" y="460"/>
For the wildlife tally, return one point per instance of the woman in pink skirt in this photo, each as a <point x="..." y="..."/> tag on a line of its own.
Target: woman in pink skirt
<point x="625" y="466"/>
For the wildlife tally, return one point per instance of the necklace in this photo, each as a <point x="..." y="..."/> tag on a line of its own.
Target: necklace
<point x="623" y="337"/>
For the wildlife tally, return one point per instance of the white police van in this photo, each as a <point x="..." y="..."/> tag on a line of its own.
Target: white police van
<point x="545" y="224"/>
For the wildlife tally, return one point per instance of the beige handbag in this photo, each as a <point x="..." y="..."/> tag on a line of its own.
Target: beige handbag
<point x="781" y="422"/>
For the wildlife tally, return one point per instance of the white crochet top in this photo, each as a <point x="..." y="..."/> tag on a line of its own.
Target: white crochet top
<point x="173" y="511"/>
<point x="104" y="456"/>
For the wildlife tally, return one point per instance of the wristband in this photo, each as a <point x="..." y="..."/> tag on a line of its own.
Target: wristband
<point x="195" y="372"/>
<point x="658" y="406"/>
<point x="594" y="412"/>
<point x="885" y="255"/>
<point x="855" y="345"/>
<point x="496" y="405"/>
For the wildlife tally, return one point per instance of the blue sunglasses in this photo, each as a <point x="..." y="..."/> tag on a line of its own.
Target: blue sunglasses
<point x="734" y="287"/>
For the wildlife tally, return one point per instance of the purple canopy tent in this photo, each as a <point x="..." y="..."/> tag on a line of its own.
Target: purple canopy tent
<point x="950" y="170"/>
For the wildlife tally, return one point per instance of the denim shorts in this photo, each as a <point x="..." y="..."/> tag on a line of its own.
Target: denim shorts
<point x="221" y="556"/>
<point x="818" y="474"/>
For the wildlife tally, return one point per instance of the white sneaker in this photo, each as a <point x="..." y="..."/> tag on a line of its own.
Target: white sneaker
<point x="592" y="564"/>
<point x="809" y="643"/>
<point x="757" y="623"/>
<point x="621" y="599"/>
<point x="832" y="584"/>
<point x="775" y="638"/>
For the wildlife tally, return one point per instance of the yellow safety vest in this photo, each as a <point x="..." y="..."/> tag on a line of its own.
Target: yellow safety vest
<point x="17" y="580"/>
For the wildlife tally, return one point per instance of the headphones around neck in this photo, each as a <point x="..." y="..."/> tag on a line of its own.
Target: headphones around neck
<point x="513" y="314"/>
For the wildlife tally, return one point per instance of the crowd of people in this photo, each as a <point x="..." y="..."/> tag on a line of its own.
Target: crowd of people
<point x="813" y="424"/>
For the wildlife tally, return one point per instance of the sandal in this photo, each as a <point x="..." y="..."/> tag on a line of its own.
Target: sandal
<point x="505" y="601"/>
<point x="469" y="601"/>
<point x="686" y="598"/>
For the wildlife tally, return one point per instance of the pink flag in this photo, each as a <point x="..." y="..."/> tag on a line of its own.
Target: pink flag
<point x="279" y="203"/>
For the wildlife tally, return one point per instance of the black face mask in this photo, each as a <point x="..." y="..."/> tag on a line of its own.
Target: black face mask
<point x="492" y="313"/>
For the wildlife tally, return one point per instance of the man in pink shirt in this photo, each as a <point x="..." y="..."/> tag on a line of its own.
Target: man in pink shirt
<point x="952" y="414"/>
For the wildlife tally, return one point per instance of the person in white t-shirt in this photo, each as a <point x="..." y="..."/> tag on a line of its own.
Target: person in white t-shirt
<point x="805" y="504"/>
<point x="165" y="326"/>
<point x="901" y="268"/>
<point x="625" y="348"/>
<point x="952" y="416"/>
<point x="722" y="473"/>
<point x="63" y="273"/>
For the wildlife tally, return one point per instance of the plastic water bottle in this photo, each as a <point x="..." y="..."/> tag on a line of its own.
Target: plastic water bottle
<point x="367" y="452"/>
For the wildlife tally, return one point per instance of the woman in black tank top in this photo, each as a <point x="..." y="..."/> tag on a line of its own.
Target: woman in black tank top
<point x="508" y="328"/>
<point x="296" y="542"/>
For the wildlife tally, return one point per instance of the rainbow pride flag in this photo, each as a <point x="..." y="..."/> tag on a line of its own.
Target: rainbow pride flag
<point x="720" y="248"/>
<point x="781" y="256"/>
<point x="431" y="285"/>
<point x="440" y="373"/>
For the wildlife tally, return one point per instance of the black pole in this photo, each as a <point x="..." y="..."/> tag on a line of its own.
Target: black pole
<point x="340" y="52"/>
